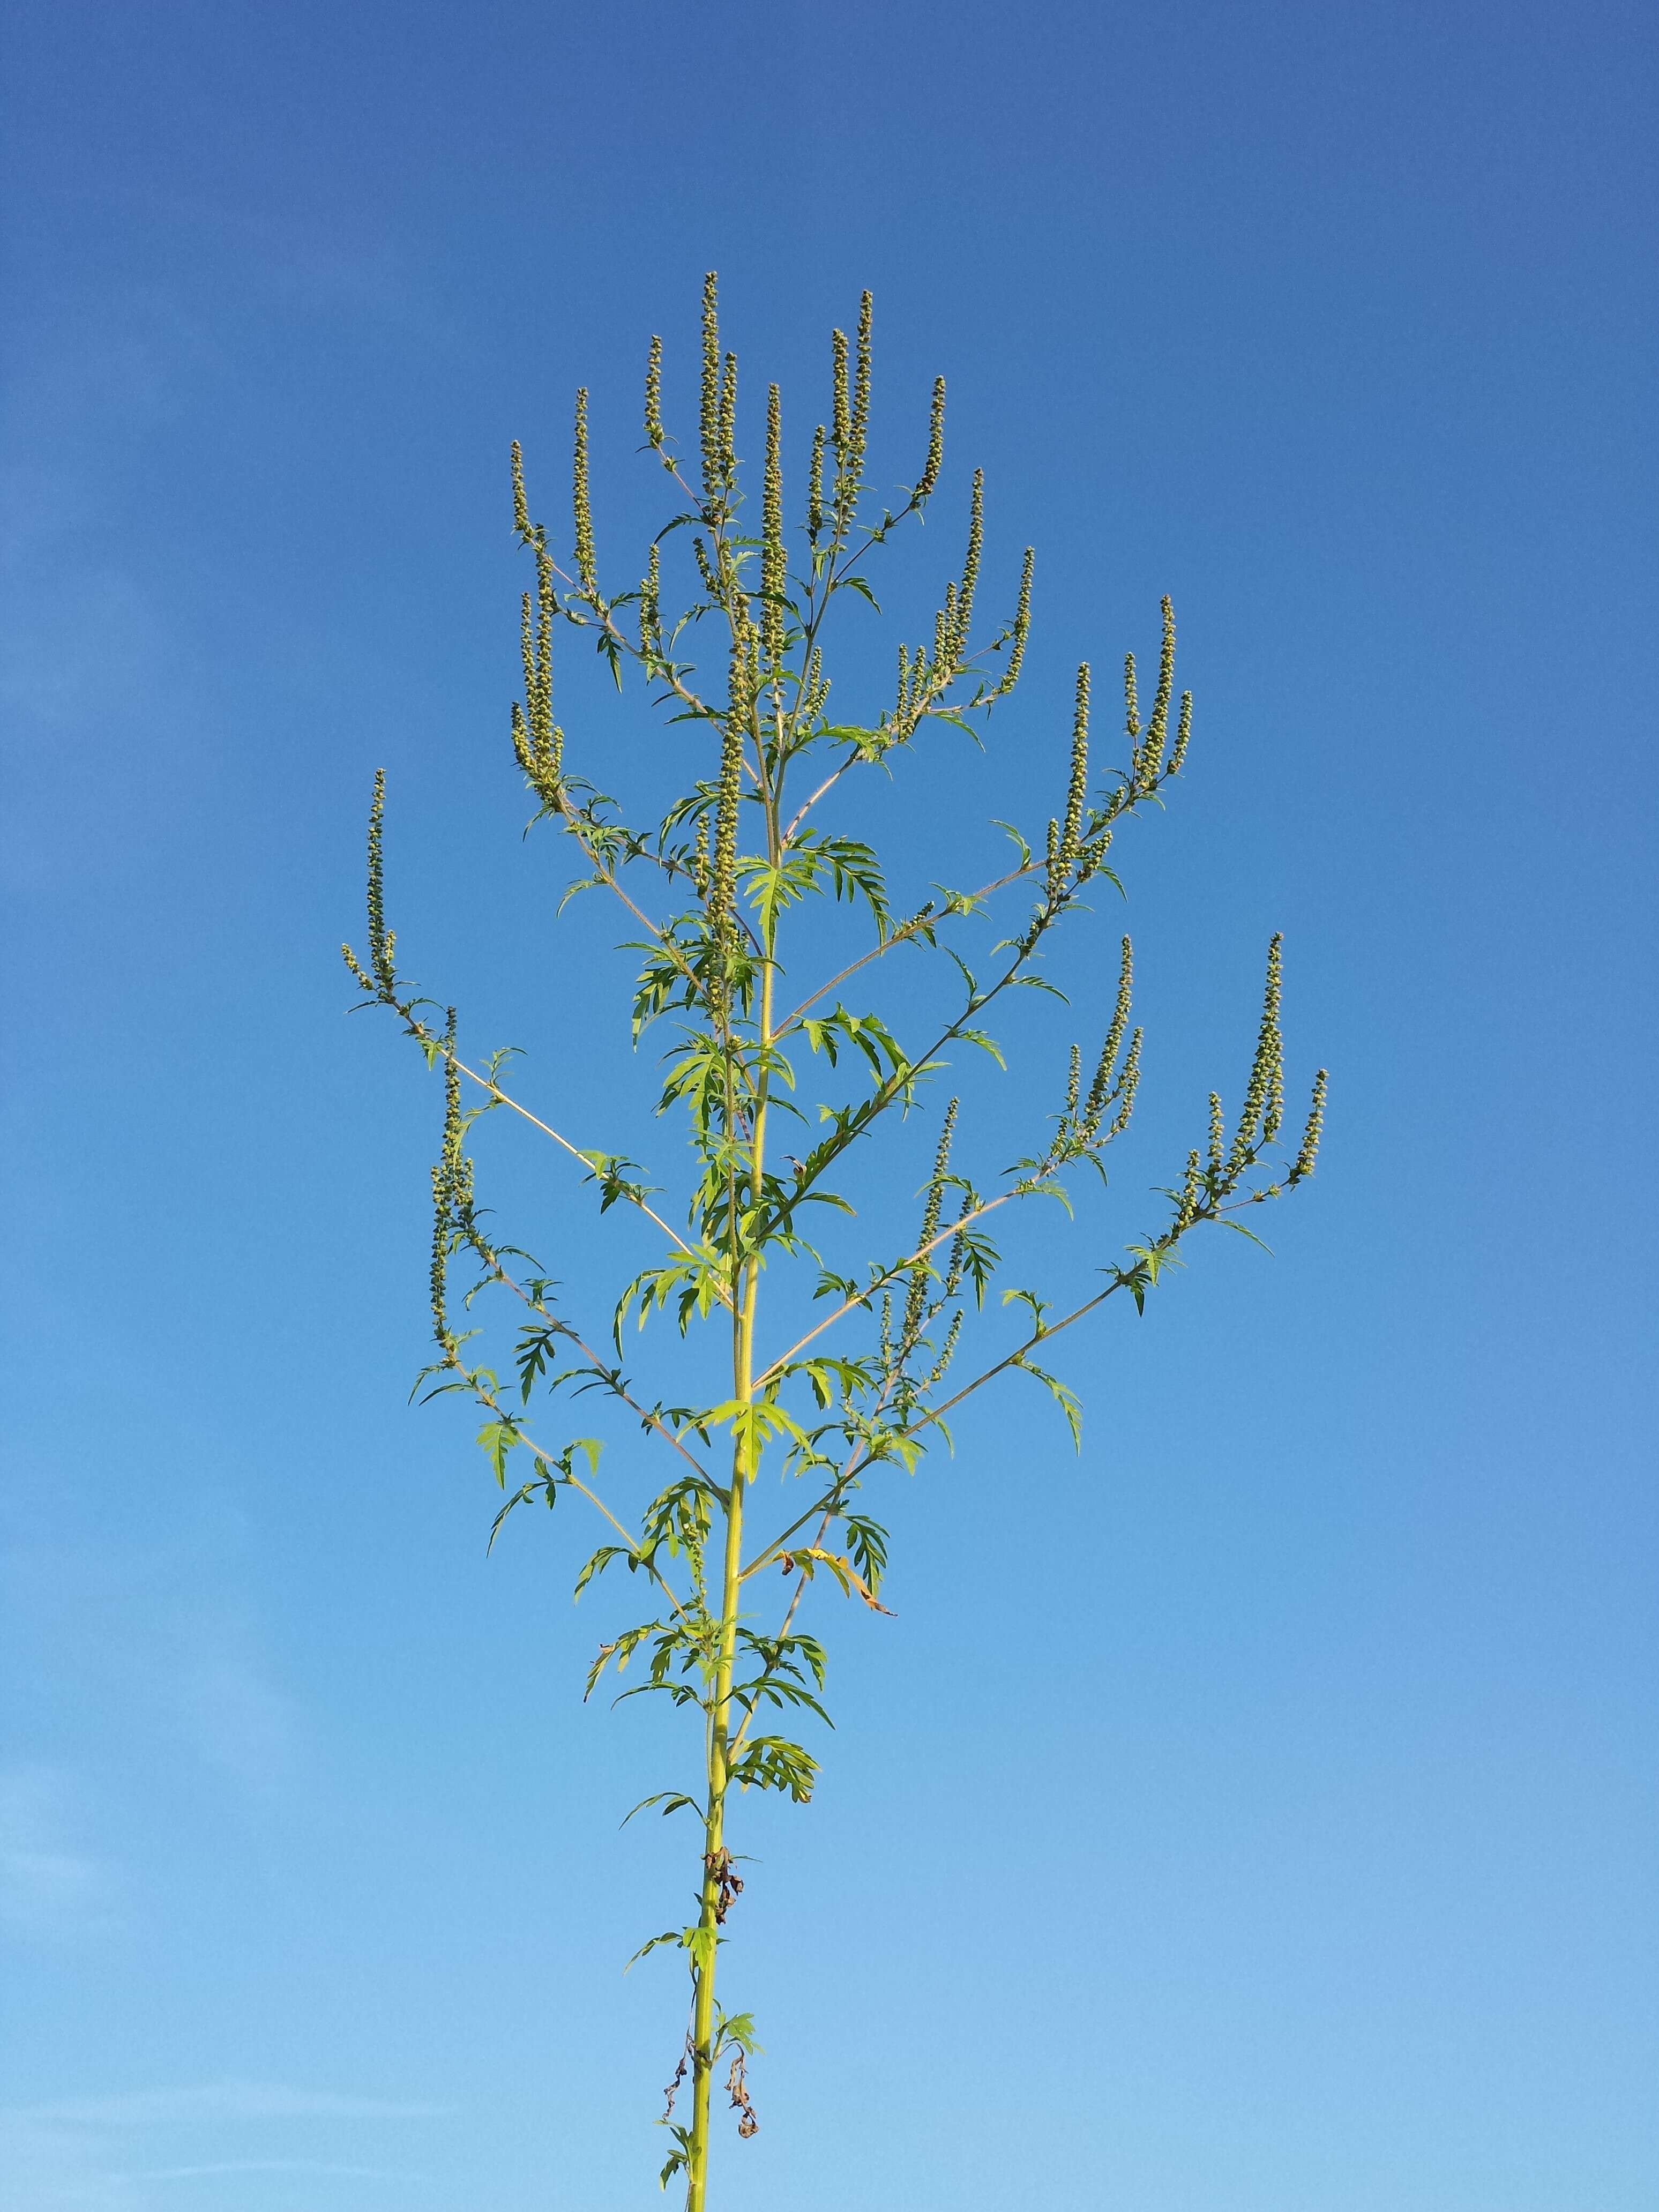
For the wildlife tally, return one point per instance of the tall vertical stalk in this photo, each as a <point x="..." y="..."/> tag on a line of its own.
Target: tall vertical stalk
<point x="744" y="1466"/>
<point x="864" y="1387"/>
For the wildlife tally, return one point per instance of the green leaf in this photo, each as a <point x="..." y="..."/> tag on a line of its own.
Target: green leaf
<point x="985" y="1043"/>
<point x="1239" y="1226"/>
<point x="673" y="2164"/>
<point x="771" y="1762"/>
<point x="866" y="1543"/>
<point x="679" y="2158"/>
<point x="497" y="1438"/>
<point x="668" y="1935"/>
<point x="809" y="1556"/>
<point x="1063" y="1396"/>
<point x="736" y="2028"/>
<point x="597" y="1565"/>
<point x="671" y="1801"/>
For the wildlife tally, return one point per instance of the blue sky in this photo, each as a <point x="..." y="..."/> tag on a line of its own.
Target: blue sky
<point x="1254" y="1813"/>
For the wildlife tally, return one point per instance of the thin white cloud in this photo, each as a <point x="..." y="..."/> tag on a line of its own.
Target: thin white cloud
<point x="148" y="1648"/>
<point x="227" y="2101"/>
<point x="48" y="2169"/>
<point x="236" y="1716"/>
<point x="59" y="2157"/>
<point x="48" y="1888"/>
<point x="276" y="2166"/>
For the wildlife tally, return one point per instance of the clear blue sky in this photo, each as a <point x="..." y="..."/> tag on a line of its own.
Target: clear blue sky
<point x="1263" y="1821"/>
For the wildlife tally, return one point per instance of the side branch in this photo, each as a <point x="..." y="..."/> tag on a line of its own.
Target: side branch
<point x="917" y="925"/>
<point x="488" y="1083"/>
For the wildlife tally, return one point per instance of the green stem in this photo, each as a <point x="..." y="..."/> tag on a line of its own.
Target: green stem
<point x="745" y="1303"/>
<point x="702" y="2008"/>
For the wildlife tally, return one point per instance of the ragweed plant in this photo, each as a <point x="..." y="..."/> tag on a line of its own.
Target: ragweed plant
<point x="713" y="890"/>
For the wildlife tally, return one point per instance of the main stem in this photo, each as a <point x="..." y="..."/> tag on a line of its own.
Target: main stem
<point x="745" y="1296"/>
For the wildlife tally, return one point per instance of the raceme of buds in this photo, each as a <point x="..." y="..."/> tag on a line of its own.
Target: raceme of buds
<point x="520" y="503"/>
<point x="653" y="429"/>
<point x="849" y="420"/>
<point x="584" y="514"/>
<point x="929" y="477"/>
<point x="947" y="1353"/>
<point x="382" y="941"/>
<point x="956" y="1265"/>
<point x="1149" y="765"/>
<point x="739" y="702"/>
<point x="538" y="742"/>
<point x="916" y="1299"/>
<point x="728" y="421"/>
<point x="774" y="568"/>
<point x="1018" y="630"/>
<point x="961" y="601"/>
<point x="651" y="608"/>
<point x="1076" y="789"/>
<point x="902" y="705"/>
<point x="840" y="406"/>
<point x="709" y="409"/>
<point x="446" y="1180"/>
<point x="1311" y="1135"/>
<point x="861" y="374"/>
<point x="816" y="688"/>
<point x="1101" y="1088"/>
<point x="700" y="856"/>
<point x="1183" y="733"/>
<point x="1265" y="1078"/>
<point x="1188" y="1204"/>
<point x="814" y="486"/>
<point x="1128" y="1084"/>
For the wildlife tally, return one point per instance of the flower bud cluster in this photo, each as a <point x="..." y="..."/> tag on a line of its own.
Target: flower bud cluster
<point x="1264" y="1094"/>
<point x="708" y="411"/>
<point x="928" y="480"/>
<point x="1149" y="757"/>
<point x="1311" y="1135"/>
<point x="915" y="1302"/>
<point x="774" y="564"/>
<point x="586" y="567"/>
<point x="653" y="429"/>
